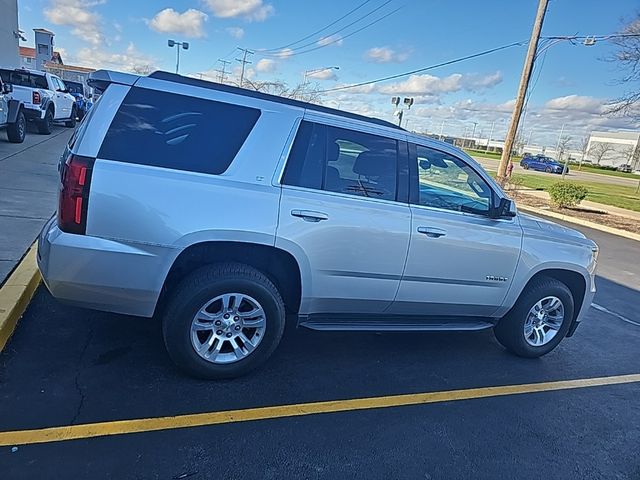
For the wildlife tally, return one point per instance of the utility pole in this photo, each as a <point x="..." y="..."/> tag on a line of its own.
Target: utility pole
<point x="559" y="140"/>
<point x="441" y="130"/>
<point x="522" y="89"/>
<point x="223" y="70"/>
<point x="473" y="135"/>
<point x="493" y="124"/>
<point x="245" y="52"/>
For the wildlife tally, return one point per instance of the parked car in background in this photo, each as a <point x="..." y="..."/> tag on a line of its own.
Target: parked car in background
<point x="625" y="168"/>
<point x="12" y="117"/>
<point x="45" y="98"/>
<point x="542" y="163"/>
<point x="83" y="104"/>
<point x="220" y="209"/>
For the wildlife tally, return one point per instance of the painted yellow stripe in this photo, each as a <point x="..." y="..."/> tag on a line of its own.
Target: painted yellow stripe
<point x="120" y="427"/>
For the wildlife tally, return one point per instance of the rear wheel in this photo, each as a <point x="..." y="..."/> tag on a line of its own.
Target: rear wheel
<point x="16" y="131"/>
<point x="548" y="170"/>
<point x="525" y="166"/>
<point x="71" y="123"/>
<point x="46" y="124"/>
<point x="539" y="320"/>
<point x="222" y="321"/>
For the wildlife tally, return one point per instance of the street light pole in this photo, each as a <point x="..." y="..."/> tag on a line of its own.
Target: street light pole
<point x="184" y="45"/>
<point x="522" y="89"/>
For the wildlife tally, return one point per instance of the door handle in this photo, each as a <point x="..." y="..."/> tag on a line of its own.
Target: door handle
<point x="432" y="232"/>
<point x="309" y="215"/>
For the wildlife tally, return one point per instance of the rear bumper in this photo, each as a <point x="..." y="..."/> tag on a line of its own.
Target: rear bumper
<point x="102" y="274"/>
<point x="33" y="113"/>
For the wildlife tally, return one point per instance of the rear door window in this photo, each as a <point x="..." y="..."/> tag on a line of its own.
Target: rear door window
<point x="343" y="161"/>
<point x="177" y="131"/>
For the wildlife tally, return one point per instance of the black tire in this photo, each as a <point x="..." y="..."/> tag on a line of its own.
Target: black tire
<point x="17" y="131"/>
<point x="525" y="166"/>
<point x="203" y="285"/>
<point x="510" y="330"/>
<point x="71" y="123"/>
<point x="548" y="170"/>
<point x="45" y="125"/>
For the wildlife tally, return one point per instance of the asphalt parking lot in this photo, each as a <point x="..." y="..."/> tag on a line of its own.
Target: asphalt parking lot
<point x="67" y="366"/>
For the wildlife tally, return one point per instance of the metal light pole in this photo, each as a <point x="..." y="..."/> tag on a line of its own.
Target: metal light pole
<point x="441" y="130"/>
<point x="408" y="101"/>
<point x="184" y="45"/>
<point x="311" y="72"/>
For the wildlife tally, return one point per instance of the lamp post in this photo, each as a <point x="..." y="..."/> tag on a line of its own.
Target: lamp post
<point x="408" y="101"/>
<point x="311" y="72"/>
<point x="184" y="45"/>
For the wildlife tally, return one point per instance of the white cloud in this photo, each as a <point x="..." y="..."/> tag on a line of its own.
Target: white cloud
<point x="576" y="102"/>
<point x="235" y="32"/>
<point x="189" y="23"/>
<point x="284" y="53"/>
<point x="130" y="60"/>
<point x="326" y="74"/>
<point x="432" y="85"/>
<point x="385" y="55"/>
<point x="266" y="65"/>
<point x="79" y="15"/>
<point x="334" y="40"/>
<point x="252" y="10"/>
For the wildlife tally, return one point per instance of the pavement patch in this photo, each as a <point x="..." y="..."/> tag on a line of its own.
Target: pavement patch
<point x="121" y="427"/>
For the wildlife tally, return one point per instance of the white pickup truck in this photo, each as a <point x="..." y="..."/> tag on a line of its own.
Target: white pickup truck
<point x="45" y="97"/>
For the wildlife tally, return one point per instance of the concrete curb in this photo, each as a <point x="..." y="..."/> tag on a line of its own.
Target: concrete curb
<point x="16" y="294"/>
<point x="579" y="221"/>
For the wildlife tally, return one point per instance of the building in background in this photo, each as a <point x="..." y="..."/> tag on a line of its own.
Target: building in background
<point x="9" y="34"/>
<point x="28" y="58"/>
<point x="614" y="149"/>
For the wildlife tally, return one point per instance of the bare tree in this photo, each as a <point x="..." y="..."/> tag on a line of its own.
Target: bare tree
<point x="627" y="154"/>
<point x="627" y="57"/>
<point x="563" y="146"/>
<point x="599" y="150"/>
<point x="306" y="92"/>
<point x="584" y="147"/>
<point x="142" y="69"/>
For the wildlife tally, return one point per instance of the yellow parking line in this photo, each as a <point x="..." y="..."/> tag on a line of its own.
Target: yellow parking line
<point x="120" y="427"/>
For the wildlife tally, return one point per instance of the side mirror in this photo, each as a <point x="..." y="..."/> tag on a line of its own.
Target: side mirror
<point x="7" y="88"/>
<point x="505" y="209"/>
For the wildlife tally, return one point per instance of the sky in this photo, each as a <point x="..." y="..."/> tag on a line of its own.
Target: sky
<point x="571" y="85"/>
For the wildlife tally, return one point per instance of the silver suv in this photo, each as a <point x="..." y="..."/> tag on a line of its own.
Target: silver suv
<point x="221" y="210"/>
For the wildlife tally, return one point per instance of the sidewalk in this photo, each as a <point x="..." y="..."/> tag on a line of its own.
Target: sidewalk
<point x="28" y="192"/>
<point x="621" y="212"/>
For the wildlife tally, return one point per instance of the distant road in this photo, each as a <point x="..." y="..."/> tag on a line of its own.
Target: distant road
<point x="492" y="164"/>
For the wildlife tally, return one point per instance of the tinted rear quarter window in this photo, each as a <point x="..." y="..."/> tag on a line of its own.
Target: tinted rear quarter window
<point x="177" y="131"/>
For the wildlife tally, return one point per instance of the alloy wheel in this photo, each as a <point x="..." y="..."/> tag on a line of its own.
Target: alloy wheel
<point x="543" y="322"/>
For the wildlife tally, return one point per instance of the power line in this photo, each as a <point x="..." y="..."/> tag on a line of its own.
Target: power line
<point x="340" y="38"/>
<point x="430" y="67"/>
<point x="321" y="30"/>
<point x="295" y="50"/>
<point x="223" y="70"/>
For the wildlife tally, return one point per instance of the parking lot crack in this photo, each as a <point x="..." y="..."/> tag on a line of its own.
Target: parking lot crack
<point x="79" y="389"/>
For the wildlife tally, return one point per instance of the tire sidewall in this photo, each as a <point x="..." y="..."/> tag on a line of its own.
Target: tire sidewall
<point x="517" y="317"/>
<point x="177" y="328"/>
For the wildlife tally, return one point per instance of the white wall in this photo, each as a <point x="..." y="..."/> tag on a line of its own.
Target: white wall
<point x="8" y="42"/>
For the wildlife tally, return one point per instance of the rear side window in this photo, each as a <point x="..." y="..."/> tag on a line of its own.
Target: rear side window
<point x="23" y="78"/>
<point x="177" y="131"/>
<point x="343" y="161"/>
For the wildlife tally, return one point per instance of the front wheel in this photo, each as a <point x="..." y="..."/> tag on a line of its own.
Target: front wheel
<point x="539" y="320"/>
<point x="71" y="123"/>
<point x="548" y="170"/>
<point x="222" y="321"/>
<point x="16" y="131"/>
<point x="525" y="166"/>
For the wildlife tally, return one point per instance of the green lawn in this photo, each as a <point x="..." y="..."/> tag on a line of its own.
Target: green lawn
<point x="602" y="171"/>
<point x="494" y="155"/>
<point x="607" y="194"/>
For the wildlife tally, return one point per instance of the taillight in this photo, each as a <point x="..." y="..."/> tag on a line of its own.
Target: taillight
<point x="75" y="176"/>
<point x="36" y="98"/>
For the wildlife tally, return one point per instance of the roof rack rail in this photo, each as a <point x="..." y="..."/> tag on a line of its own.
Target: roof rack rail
<point x="172" y="77"/>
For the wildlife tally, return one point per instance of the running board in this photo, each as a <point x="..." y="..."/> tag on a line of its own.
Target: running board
<point x="394" y="324"/>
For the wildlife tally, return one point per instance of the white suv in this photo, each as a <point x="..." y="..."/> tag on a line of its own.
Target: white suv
<point x="220" y="209"/>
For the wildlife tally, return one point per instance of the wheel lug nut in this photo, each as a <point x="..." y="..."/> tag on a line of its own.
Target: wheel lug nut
<point x="218" y="323"/>
<point x="226" y="315"/>
<point x="229" y="335"/>
<point x="219" y="332"/>
<point x="236" y="318"/>
<point x="237" y="327"/>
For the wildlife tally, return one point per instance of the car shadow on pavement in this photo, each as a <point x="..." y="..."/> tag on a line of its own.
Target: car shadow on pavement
<point x="67" y="365"/>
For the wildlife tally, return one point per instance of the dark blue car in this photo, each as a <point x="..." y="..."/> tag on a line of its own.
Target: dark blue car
<point x="542" y="163"/>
